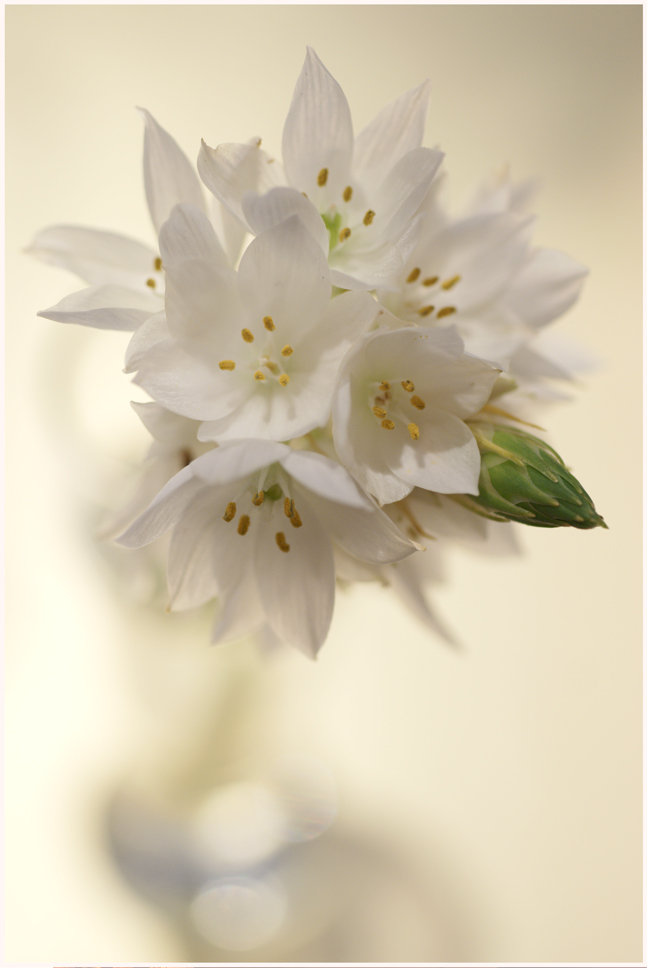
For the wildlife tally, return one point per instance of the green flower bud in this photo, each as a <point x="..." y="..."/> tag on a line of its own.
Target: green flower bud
<point x="523" y="479"/>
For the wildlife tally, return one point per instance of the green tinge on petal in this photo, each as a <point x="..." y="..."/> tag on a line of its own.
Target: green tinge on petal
<point x="332" y="221"/>
<point x="523" y="479"/>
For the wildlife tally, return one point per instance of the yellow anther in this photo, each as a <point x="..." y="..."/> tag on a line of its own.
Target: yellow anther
<point x="347" y="194"/>
<point x="247" y="335"/>
<point x="281" y="542"/>
<point x="322" y="177"/>
<point x="287" y="350"/>
<point x="284" y="379"/>
<point x="151" y="283"/>
<point x="158" y="264"/>
<point x="426" y="310"/>
<point x="418" y="403"/>
<point x="243" y="524"/>
<point x="430" y="281"/>
<point x="230" y="512"/>
<point x="379" y="411"/>
<point x="413" y="275"/>
<point x="288" y="507"/>
<point x="445" y="311"/>
<point x="449" y="283"/>
<point x="414" y="431"/>
<point x="227" y="365"/>
<point x="344" y="234"/>
<point x="259" y="376"/>
<point x="388" y="425"/>
<point x="368" y="218"/>
<point x="268" y="323"/>
<point x="258" y="499"/>
<point x="295" y="520"/>
<point x="385" y="386"/>
<point x="408" y="386"/>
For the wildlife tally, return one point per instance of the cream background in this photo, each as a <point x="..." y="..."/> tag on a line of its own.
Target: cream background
<point x="517" y="763"/>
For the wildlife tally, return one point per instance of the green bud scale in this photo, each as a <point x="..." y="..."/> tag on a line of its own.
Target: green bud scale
<point x="523" y="479"/>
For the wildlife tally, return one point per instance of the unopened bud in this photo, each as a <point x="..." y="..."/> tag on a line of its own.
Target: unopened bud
<point x="523" y="479"/>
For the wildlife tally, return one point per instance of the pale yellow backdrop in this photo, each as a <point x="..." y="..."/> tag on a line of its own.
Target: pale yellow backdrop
<point x="508" y="776"/>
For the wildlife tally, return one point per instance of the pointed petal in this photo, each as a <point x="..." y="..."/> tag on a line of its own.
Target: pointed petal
<point x="153" y="330"/>
<point x="191" y="576"/>
<point x="237" y="459"/>
<point x="398" y="128"/>
<point x="228" y="229"/>
<point x="546" y="287"/>
<point x="169" y="177"/>
<point x="325" y="478"/>
<point x="318" y="132"/>
<point x="101" y="258"/>
<point x="405" y="580"/>
<point x="188" y="234"/>
<point x="202" y="304"/>
<point x="241" y="612"/>
<point x="398" y="198"/>
<point x="284" y="274"/>
<point x="230" y="170"/>
<point x="170" y="429"/>
<point x="104" y="307"/>
<point x="265" y="211"/>
<point x="366" y="534"/>
<point x="297" y="587"/>
<point x="164" y="512"/>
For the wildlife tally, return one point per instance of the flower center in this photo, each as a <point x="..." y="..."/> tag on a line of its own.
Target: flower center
<point x="269" y="363"/>
<point x="343" y="220"/>
<point x="425" y="295"/>
<point x="392" y="403"/>
<point x="267" y="493"/>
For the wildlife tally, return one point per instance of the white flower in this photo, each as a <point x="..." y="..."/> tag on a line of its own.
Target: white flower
<point x="253" y="522"/>
<point x="125" y="276"/>
<point x="398" y="412"/>
<point x="254" y="353"/>
<point x="366" y="189"/>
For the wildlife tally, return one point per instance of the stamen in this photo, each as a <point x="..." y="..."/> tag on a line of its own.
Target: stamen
<point x="385" y="386"/>
<point x="243" y="524"/>
<point x="281" y="542"/>
<point x="445" y="311"/>
<point x="414" y="430"/>
<point x="247" y="335"/>
<point x="158" y="264"/>
<point x="287" y="350"/>
<point x="151" y="283"/>
<point x="284" y="379"/>
<point x="227" y="365"/>
<point x="426" y="310"/>
<point x="379" y="411"/>
<point x="413" y="275"/>
<point x="388" y="425"/>
<point x="408" y="386"/>
<point x="230" y="512"/>
<point x="268" y="323"/>
<point x="347" y="194"/>
<point x="368" y="218"/>
<point x="288" y="507"/>
<point x="322" y="177"/>
<point x="430" y="281"/>
<point x="418" y="403"/>
<point x="295" y="520"/>
<point x="344" y="234"/>
<point x="450" y="283"/>
<point x="258" y="499"/>
<point x="259" y="376"/>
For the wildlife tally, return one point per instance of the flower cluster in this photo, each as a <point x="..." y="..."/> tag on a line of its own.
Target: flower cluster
<point x="334" y="363"/>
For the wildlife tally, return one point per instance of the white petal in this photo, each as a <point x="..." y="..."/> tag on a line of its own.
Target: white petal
<point x="154" y="330"/>
<point x="377" y="268"/>
<point x="202" y="304"/>
<point x="168" y="428"/>
<point x="101" y="258"/>
<point x="164" y="512"/>
<point x="104" y="307"/>
<point x="188" y="384"/>
<point x="297" y="587"/>
<point x="318" y="132"/>
<point x="368" y="535"/>
<point x="404" y="188"/>
<point x="237" y="459"/>
<point x="241" y="612"/>
<point x="191" y="576"/>
<point x="546" y="287"/>
<point x="168" y="174"/>
<point x="188" y="234"/>
<point x="405" y="580"/>
<point x="228" y="229"/>
<point x="230" y="170"/>
<point x="263" y="212"/>
<point x="398" y="128"/>
<point x="325" y="478"/>
<point x="284" y="274"/>
<point x="445" y="458"/>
